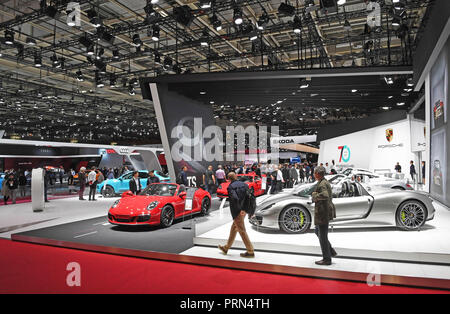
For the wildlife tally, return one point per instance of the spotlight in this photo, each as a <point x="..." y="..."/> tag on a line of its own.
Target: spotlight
<point x="304" y="83"/>
<point x="115" y="54"/>
<point x="167" y="62"/>
<point x="204" y="39"/>
<point x="341" y="2"/>
<point x="94" y="19"/>
<point x="85" y="41"/>
<point x="183" y="15"/>
<point x="347" y="25"/>
<point x="253" y="36"/>
<point x="399" y="5"/>
<point x="137" y="40"/>
<point x="154" y="1"/>
<point x="237" y="16"/>
<point x="100" y="53"/>
<point x="52" y="11"/>
<point x="133" y="81"/>
<point x="205" y="4"/>
<point x="155" y="33"/>
<point x="297" y="25"/>
<point x="131" y="90"/>
<point x="54" y="60"/>
<point x="79" y="75"/>
<point x="262" y="21"/>
<point x="90" y="50"/>
<point x="9" y="37"/>
<point x="396" y="21"/>
<point x="215" y="22"/>
<point x="157" y="58"/>
<point x="30" y="41"/>
<point x="37" y="61"/>
<point x="410" y="82"/>
<point x="112" y="80"/>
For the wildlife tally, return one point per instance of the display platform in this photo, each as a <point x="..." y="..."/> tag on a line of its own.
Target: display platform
<point x="430" y="245"/>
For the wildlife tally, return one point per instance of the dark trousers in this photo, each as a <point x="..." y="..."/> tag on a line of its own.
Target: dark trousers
<point x="92" y="190"/>
<point x="273" y="187"/>
<point x="322" y="233"/>
<point x="81" y="192"/>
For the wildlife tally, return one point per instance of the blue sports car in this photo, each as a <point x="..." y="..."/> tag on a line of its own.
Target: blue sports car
<point x="112" y="187"/>
<point x="2" y="177"/>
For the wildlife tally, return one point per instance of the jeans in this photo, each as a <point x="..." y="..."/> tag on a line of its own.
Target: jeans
<point x="92" y="190"/>
<point x="322" y="233"/>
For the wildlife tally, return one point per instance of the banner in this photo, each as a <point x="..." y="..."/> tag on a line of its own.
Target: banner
<point x="280" y="141"/>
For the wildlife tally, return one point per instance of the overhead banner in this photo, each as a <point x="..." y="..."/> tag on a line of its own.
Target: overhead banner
<point x="288" y="140"/>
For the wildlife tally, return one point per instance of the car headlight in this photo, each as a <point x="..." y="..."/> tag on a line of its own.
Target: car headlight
<point x="268" y="206"/>
<point x="152" y="205"/>
<point x="115" y="204"/>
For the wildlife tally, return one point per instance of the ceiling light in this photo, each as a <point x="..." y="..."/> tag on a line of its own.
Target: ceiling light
<point x="115" y="54"/>
<point x="154" y="1"/>
<point x="204" y="39"/>
<point x="400" y="104"/>
<point x="237" y="16"/>
<point x="137" y="40"/>
<point x="215" y="22"/>
<point x="9" y="37"/>
<point x="341" y="2"/>
<point x="131" y="90"/>
<point x="205" y="4"/>
<point x="297" y="25"/>
<point x="262" y="21"/>
<point x="396" y="21"/>
<point x="37" y="61"/>
<point x="389" y="80"/>
<point x="90" y="50"/>
<point x="30" y="41"/>
<point x="386" y="108"/>
<point x="354" y="90"/>
<point x="157" y="58"/>
<point x="155" y="33"/>
<point x="410" y="82"/>
<point x="253" y="35"/>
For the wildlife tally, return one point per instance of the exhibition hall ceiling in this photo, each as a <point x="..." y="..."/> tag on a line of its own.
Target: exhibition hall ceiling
<point x="80" y="81"/>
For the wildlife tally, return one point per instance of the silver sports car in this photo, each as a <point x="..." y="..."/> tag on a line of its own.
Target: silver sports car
<point x="356" y="205"/>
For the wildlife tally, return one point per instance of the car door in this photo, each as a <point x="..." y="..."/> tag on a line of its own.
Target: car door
<point x="124" y="182"/>
<point x="258" y="185"/>
<point x="354" y="203"/>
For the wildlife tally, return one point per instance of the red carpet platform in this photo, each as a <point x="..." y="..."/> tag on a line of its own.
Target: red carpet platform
<point x="32" y="268"/>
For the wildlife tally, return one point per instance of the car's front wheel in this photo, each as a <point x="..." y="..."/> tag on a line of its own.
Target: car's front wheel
<point x="108" y="191"/>
<point x="411" y="215"/>
<point x="295" y="219"/>
<point x="206" y="205"/>
<point x="167" y="216"/>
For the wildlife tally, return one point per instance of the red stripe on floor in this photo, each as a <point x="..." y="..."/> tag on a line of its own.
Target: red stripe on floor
<point x="32" y="268"/>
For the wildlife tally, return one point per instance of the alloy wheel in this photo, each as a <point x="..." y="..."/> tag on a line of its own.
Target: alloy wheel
<point x="295" y="219"/>
<point x="411" y="215"/>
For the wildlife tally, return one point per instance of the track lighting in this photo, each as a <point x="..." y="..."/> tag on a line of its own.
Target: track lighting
<point x="113" y="80"/>
<point x="155" y="33"/>
<point x="204" y="39"/>
<point x="115" y="54"/>
<point x="167" y="62"/>
<point x="9" y="37"/>
<point x="131" y="90"/>
<point x="90" y="50"/>
<point x="30" y="41"/>
<point x="253" y="35"/>
<point x="154" y="1"/>
<point x="54" y="60"/>
<point x="100" y="53"/>
<point x="157" y="58"/>
<point x="94" y="19"/>
<point x="396" y="21"/>
<point x="237" y="16"/>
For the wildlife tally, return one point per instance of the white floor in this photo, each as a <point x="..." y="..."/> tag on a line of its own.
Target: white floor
<point x="19" y="217"/>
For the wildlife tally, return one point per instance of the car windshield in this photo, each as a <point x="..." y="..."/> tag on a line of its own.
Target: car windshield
<point x="306" y="190"/>
<point x="245" y="178"/>
<point x="160" y="189"/>
<point x="347" y="171"/>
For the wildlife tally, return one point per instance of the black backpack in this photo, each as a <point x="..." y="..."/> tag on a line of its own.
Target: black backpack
<point x="250" y="203"/>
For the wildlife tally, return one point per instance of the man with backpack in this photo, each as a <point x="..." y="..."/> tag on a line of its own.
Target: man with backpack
<point x="241" y="204"/>
<point x="182" y="177"/>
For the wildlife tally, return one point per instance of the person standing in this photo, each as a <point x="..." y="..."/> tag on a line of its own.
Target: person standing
<point x="152" y="178"/>
<point x="293" y="176"/>
<point x="307" y="172"/>
<point x="22" y="184"/>
<point x="82" y="182"/>
<point x="209" y="180"/>
<point x="182" y="177"/>
<point x="110" y="174"/>
<point x="61" y="174"/>
<point x="280" y="180"/>
<point x="135" y="183"/>
<point x="71" y="177"/>
<point x="220" y="175"/>
<point x="324" y="212"/>
<point x="12" y="184"/>
<point x="302" y="174"/>
<point x="92" y="181"/>
<point x="412" y="171"/>
<point x="423" y="172"/>
<point x="398" y="168"/>
<point x="237" y="196"/>
<point x="5" y="190"/>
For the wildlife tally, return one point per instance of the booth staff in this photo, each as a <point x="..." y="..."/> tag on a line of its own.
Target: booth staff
<point x="135" y="183"/>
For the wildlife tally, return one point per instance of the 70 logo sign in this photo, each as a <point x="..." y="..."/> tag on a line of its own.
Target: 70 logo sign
<point x="345" y="153"/>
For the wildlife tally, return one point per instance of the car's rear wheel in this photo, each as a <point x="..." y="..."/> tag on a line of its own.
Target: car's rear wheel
<point x="167" y="216"/>
<point x="295" y="219"/>
<point x="206" y="205"/>
<point x="108" y="191"/>
<point x="411" y="215"/>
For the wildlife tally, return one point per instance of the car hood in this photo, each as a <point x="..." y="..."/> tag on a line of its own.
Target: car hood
<point x="137" y="204"/>
<point x="281" y="197"/>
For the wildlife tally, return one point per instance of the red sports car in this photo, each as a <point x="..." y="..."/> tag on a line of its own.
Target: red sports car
<point x="253" y="181"/>
<point x="159" y="204"/>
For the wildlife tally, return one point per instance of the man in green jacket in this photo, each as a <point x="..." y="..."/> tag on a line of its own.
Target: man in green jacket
<point x="324" y="212"/>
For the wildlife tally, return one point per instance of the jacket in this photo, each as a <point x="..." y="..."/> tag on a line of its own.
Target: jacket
<point x="153" y="179"/>
<point x="293" y="174"/>
<point x="82" y="179"/>
<point x="237" y="195"/>
<point x="324" y="210"/>
<point x="133" y="188"/>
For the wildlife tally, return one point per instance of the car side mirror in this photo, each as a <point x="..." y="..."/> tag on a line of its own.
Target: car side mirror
<point x="182" y="195"/>
<point x="127" y="194"/>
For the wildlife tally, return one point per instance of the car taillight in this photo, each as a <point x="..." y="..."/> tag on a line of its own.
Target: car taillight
<point x="409" y="186"/>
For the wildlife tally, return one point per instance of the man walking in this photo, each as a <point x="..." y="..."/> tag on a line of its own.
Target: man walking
<point x="237" y="196"/>
<point x="324" y="211"/>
